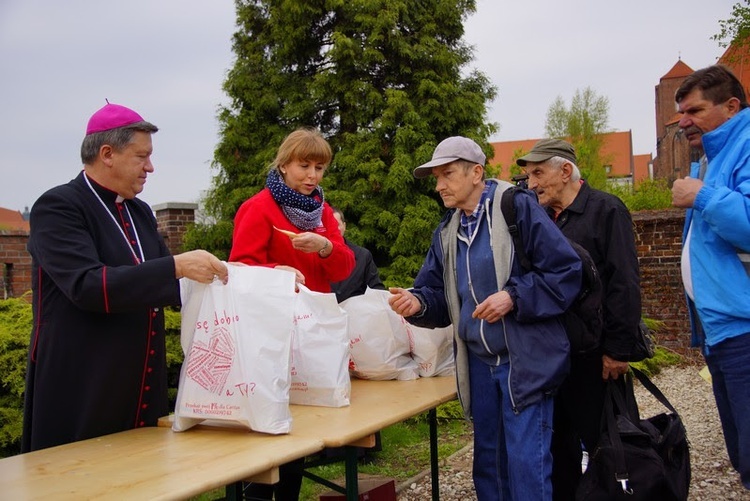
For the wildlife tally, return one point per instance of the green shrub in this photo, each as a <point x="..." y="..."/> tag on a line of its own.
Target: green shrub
<point x="172" y="322"/>
<point x="650" y="194"/>
<point x="15" y="332"/>
<point x="16" y="322"/>
<point x="662" y="357"/>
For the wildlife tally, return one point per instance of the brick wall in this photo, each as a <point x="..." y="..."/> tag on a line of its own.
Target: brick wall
<point x="659" y="243"/>
<point x="15" y="263"/>
<point x="172" y="220"/>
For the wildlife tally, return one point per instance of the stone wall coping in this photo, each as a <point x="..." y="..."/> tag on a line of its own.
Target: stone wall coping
<point x="648" y="215"/>
<point x="174" y="205"/>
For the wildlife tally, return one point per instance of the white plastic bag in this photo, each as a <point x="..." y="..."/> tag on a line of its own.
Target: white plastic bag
<point x="320" y="351"/>
<point x="237" y="343"/>
<point x="378" y="339"/>
<point x="432" y="349"/>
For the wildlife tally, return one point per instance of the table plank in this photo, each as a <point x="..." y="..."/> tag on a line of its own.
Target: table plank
<point x="157" y="463"/>
<point x="148" y="463"/>
<point x="374" y="405"/>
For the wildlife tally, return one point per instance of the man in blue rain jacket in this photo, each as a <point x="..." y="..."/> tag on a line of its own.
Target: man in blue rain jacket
<point x="511" y="348"/>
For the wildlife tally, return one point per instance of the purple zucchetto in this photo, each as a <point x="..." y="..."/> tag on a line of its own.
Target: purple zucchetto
<point x="111" y="116"/>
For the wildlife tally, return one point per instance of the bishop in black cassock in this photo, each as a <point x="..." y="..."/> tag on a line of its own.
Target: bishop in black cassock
<point x="101" y="275"/>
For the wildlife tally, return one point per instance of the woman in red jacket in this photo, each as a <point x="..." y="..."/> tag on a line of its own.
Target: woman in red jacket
<point x="289" y="225"/>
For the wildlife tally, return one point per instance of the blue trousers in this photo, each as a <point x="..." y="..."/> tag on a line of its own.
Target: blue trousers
<point x="512" y="458"/>
<point x="729" y="363"/>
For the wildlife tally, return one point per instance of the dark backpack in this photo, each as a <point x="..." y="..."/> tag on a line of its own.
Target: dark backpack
<point x="583" y="320"/>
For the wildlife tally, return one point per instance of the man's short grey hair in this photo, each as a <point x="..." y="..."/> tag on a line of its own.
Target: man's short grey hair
<point x="558" y="163"/>
<point x="117" y="138"/>
<point x="467" y="165"/>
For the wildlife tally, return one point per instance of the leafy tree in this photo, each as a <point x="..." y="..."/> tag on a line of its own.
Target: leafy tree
<point x="583" y="124"/>
<point x="384" y="80"/>
<point x="736" y="29"/>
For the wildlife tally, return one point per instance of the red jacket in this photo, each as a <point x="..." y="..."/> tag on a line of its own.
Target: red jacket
<point x="255" y="242"/>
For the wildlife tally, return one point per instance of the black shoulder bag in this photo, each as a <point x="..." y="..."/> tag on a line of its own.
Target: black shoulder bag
<point x="637" y="459"/>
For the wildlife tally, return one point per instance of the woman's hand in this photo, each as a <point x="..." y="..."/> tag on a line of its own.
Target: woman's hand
<point x="312" y="242"/>
<point x="299" y="278"/>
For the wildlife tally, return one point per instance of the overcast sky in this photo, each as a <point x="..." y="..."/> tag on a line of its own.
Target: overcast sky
<point x="167" y="59"/>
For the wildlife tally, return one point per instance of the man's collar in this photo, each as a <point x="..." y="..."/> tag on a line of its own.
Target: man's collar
<point x="104" y="192"/>
<point x="480" y="204"/>
<point x="578" y="204"/>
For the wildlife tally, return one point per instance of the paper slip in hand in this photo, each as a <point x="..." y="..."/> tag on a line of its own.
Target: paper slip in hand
<point x="288" y="233"/>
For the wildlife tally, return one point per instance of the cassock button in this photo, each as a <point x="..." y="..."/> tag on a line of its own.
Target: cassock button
<point x="144" y="406"/>
<point x="149" y="370"/>
<point x="142" y="423"/>
<point x="132" y="242"/>
<point x="153" y="333"/>
<point x="152" y="352"/>
<point x="147" y="388"/>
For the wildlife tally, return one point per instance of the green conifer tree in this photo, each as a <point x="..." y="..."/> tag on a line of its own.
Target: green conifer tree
<point x="384" y="80"/>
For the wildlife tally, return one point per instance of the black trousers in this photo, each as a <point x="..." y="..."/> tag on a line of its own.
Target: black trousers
<point x="576" y="421"/>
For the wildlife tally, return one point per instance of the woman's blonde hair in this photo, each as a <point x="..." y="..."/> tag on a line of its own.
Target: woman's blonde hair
<point x="303" y="144"/>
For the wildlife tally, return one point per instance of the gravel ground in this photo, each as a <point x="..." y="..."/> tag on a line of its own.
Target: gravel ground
<point x="712" y="476"/>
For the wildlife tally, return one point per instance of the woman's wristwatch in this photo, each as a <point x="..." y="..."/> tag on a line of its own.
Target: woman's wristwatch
<point x="323" y="249"/>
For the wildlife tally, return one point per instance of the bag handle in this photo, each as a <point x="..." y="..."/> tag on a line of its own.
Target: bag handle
<point x="651" y="387"/>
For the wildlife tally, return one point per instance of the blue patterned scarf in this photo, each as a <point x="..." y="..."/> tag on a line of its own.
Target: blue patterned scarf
<point x="303" y="211"/>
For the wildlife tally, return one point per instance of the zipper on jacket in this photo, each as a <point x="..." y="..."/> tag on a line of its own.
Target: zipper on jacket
<point x="489" y="224"/>
<point x="510" y="370"/>
<point x="476" y="303"/>
<point x="468" y="242"/>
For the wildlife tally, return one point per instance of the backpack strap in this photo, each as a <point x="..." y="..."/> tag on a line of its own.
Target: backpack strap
<point x="508" y="208"/>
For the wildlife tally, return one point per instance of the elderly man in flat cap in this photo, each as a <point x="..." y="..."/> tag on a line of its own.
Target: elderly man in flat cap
<point x="601" y="224"/>
<point x="101" y="275"/>
<point x="511" y="349"/>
